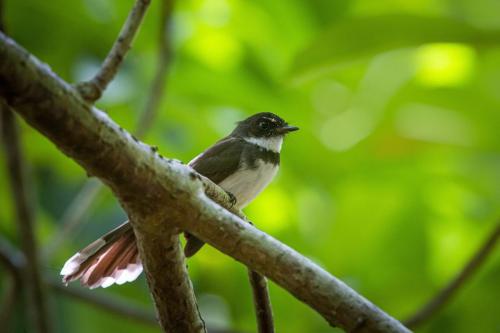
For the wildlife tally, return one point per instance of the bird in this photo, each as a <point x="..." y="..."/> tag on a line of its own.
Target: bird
<point x="242" y="163"/>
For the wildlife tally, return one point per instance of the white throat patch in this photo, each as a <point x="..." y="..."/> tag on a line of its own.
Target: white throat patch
<point x="273" y="143"/>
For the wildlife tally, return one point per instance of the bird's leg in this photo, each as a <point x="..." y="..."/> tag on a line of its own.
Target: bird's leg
<point x="232" y="199"/>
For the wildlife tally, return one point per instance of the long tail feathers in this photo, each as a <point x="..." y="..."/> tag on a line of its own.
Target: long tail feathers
<point x="113" y="258"/>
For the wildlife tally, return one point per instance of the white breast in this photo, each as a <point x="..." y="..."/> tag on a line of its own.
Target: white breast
<point x="246" y="183"/>
<point x="272" y="143"/>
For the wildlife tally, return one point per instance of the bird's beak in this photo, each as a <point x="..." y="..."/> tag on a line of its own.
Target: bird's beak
<point x="286" y="129"/>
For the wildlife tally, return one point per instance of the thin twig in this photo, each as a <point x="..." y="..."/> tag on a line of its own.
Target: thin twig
<point x="262" y="302"/>
<point x="445" y="294"/>
<point x="24" y="216"/>
<point x="115" y="305"/>
<point x="118" y="306"/>
<point x="261" y="298"/>
<point x="73" y="215"/>
<point x="92" y="90"/>
<point x="12" y="261"/>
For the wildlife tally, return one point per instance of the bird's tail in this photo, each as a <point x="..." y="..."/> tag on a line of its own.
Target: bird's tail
<point x="113" y="258"/>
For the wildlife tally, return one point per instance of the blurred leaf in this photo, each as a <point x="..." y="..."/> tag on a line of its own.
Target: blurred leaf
<point x="352" y="39"/>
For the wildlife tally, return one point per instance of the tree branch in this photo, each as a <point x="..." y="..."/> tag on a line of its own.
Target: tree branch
<point x="12" y="262"/>
<point x="168" y="279"/>
<point x="262" y="302"/>
<point x="24" y="217"/>
<point x="73" y="216"/>
<point x="260" y="293"/>
<point x="158" y="193"/>
<point x="444" y="295"/>
<point x="92" y="90"/>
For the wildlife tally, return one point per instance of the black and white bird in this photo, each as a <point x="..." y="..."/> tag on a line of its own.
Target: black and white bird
<point x="243" y="164"/>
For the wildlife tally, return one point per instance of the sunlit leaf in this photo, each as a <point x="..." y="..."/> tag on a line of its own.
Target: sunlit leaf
<point x="352" y="39"/>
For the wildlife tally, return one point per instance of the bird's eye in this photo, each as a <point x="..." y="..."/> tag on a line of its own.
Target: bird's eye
<point x="264" y="125"/>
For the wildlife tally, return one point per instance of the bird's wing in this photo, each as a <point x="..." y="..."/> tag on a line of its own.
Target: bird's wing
<point x="221" y="160"/>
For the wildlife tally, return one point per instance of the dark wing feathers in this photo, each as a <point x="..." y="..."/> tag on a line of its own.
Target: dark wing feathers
<point x="221" y="160"/>
<point x="216" y="163"/>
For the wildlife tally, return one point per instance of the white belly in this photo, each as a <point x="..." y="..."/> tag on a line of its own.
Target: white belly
<point x="246" y="183"/>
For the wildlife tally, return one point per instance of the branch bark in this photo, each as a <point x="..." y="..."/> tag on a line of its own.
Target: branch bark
<point x="158" y="193"/>
<point x="92" y="90"/>
<point x="24" y="217"/>
<point x="168" y="279"/>
<point x="444" y="295"/>
<point x="262" y="302"/>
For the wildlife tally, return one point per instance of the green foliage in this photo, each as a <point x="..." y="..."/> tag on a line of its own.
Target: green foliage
<point x="391" y="183"/>
<point x="353" y="38"/>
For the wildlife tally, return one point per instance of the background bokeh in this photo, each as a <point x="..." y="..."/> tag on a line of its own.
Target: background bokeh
<point x="391" y="184"/>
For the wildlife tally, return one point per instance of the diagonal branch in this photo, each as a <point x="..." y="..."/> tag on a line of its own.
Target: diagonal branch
<point x="73" y="216"/>
<point x="92" y="90"/>
<point x="158" y="193"/>
<point x="24" y="217"/>
<point x="445" y="294"/>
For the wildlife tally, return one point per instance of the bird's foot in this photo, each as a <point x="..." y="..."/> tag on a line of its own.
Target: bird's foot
<point x="232" y="199"/>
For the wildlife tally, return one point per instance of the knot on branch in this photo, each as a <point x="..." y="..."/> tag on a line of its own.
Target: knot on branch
<point x="89" y="91"/>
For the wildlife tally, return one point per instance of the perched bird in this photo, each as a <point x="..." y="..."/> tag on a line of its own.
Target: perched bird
<point x="243" y="164"/>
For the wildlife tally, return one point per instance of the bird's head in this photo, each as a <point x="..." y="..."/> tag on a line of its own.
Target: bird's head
<point x="263" y="125"/>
